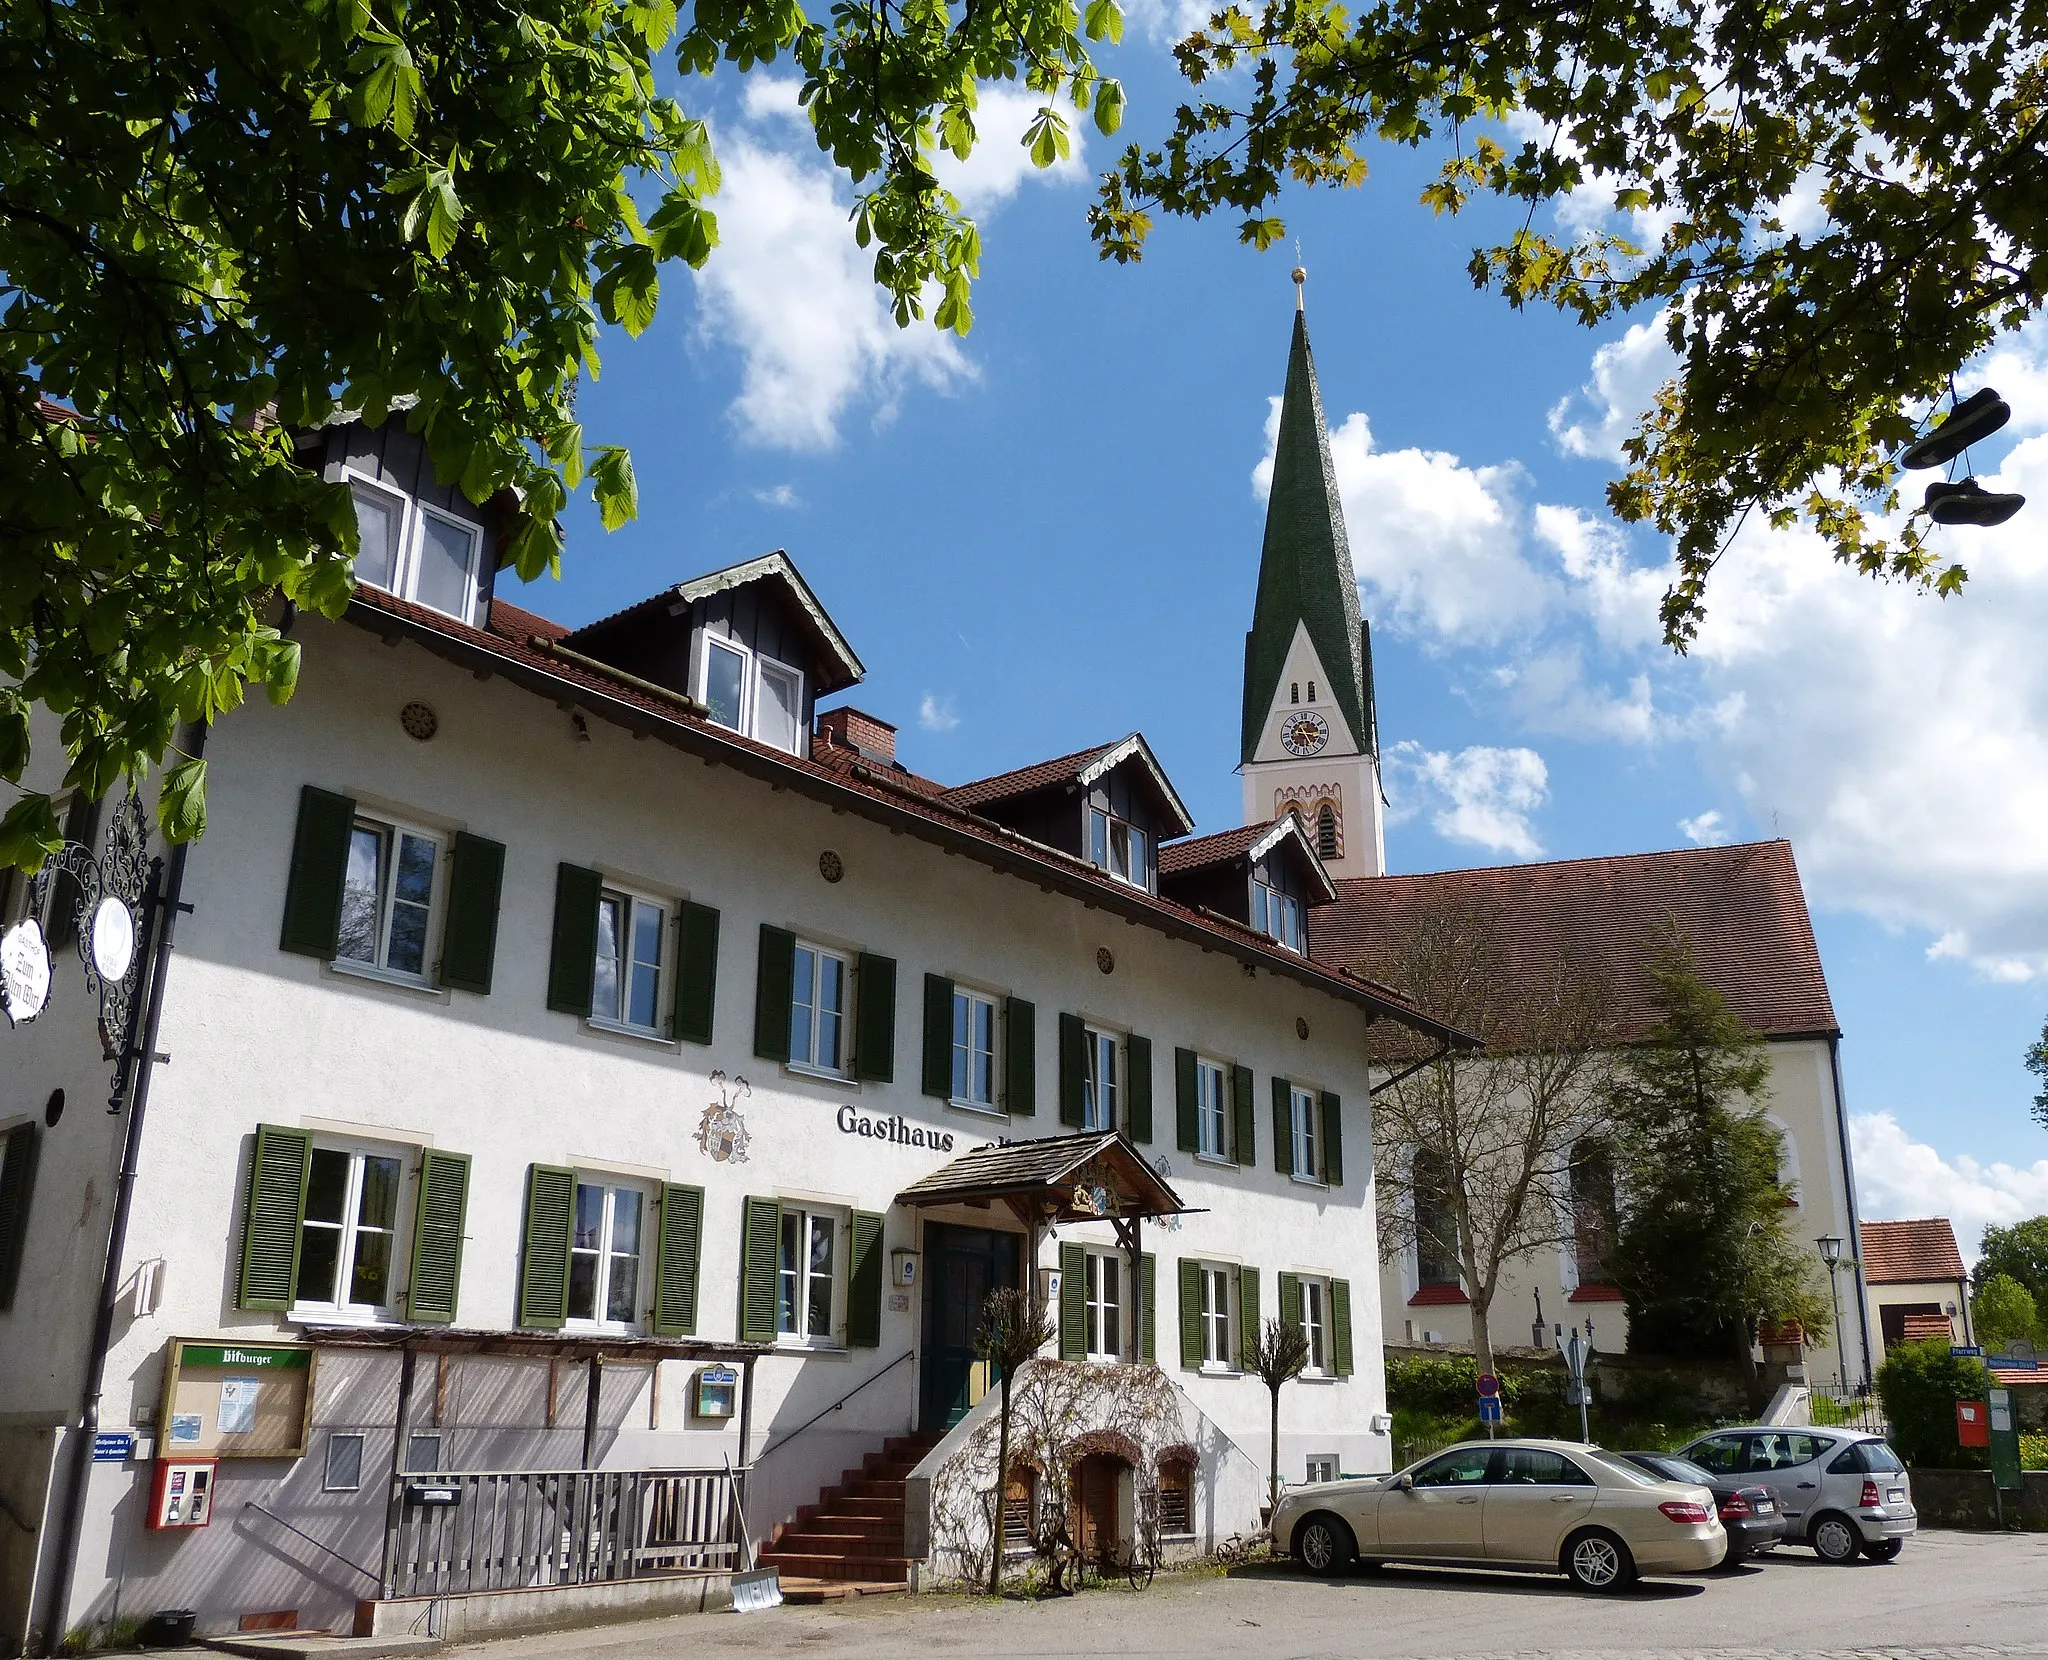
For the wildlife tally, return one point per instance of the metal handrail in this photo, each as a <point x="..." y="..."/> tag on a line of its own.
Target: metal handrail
<point x="315" y="1543"/>
<point x="834" y="1407"/>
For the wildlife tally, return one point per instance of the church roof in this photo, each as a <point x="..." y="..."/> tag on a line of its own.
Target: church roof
<point x="1742" y="907"/>
<point x="1305" y="573"/>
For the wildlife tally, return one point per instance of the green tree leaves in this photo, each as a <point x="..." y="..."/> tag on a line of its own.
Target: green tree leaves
<point x="1807" y="344"/>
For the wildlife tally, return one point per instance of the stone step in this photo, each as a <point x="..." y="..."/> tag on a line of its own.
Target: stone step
<point x="822" y="1541"/>
<point x="848" y="1527"/>
<point x="799" y="1590"/>
<point x="814" y="1565"/>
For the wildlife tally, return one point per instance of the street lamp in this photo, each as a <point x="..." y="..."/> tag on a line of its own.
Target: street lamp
<point x="1831" y="1254"/>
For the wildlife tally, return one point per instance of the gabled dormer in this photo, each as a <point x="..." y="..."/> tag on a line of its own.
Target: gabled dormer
<point x="1266" y="876"/>
<point x="1111" y="805"/>
<point x="751" y="643"/>
<point x="417" y="538"/>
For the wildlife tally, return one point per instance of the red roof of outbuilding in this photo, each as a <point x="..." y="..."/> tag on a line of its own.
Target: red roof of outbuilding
<point x="1742" y="908"/>
<point x="1903" y="1253"/>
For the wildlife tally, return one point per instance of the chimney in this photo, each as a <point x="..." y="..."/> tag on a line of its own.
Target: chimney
<point x="873" y="740"/>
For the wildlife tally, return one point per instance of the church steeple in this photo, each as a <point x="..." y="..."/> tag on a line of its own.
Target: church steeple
<point x="1316" y="753"/>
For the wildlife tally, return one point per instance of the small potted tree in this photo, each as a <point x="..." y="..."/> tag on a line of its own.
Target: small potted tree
<point x="1276" y="1356"/>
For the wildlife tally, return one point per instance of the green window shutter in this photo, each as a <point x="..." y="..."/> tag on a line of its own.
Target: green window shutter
<point x="476" y="873"/>
<point x="544" y="1253"/>
<point x="938" y="1036"/>
<point x="312" y="893"/>
<point x="696" y="972"/>
<point x="1290" y="1299"/>
<point x="1187" y="1130"/>
<point x="774" y="975"/>
<point x="1073" y="1070"/>
<point x="1073" y="1303"/>
<point x="1190" y="1314"/>
<point x="675" y="1265"/>
<point x="1333" y="1139"/>
<point x="1148" y="1306"/>
<point x="438" y="1215"/>
<point x="874" y="1043"/>
<point x="760" y="1248"/>
<point x="864" y="1283"/>
<point x="1138" y="1085"/>
<point x="1247" y="1310"/>
<point x="270" y="1226"/>
<point x="1340" y="1327"/>
<point x="572" y="957"/>
<point x="1283" y="1127"/>
<point x="1243" y="1121"/>
<point x="17" y="1187"/>
<point x="1020" y="1057"/>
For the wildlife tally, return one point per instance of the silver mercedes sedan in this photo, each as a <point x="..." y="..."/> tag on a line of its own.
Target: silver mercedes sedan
<point x="1554" y="1505"/>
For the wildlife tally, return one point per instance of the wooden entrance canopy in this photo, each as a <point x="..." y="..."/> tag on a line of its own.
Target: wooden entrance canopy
<point x="1096" y="1176"/>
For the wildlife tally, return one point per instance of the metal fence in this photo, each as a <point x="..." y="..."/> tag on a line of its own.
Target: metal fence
<point x="1829" y="1409"/>
<point x="470" y="1530"/>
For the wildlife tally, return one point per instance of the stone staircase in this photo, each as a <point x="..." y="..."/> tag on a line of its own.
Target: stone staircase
<point x="850" y="1543"/>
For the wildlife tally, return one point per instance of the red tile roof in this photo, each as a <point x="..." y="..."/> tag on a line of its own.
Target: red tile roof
<point x="880" y="793"/>
<point x="1197" y="851"/>
<point x="1742" y="907"/>
<point x="1007" y="786"/>
<point x="1917" y="1328"/>
<point x="1902" y="1253"/>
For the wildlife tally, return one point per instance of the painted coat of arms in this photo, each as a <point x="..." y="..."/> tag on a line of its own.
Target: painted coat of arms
<point x="722" y="1132"/>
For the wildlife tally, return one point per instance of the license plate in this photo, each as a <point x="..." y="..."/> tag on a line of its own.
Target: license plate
<point x="1764" y="1507"/>
<point x="1896" y="1496"/>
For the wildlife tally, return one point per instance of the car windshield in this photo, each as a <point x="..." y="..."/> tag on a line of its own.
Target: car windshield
<point x="1684" y="1469"/>
<point x="1880" y="1459"/>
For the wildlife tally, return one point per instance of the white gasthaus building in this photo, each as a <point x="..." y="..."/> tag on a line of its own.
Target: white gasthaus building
<point x="583" y="1065"/>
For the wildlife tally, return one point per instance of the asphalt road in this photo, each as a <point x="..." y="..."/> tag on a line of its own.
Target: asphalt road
<point x="1948" y="1595"/>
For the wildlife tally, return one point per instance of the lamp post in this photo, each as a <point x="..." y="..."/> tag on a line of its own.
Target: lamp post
<point x="1831" y="1254"/>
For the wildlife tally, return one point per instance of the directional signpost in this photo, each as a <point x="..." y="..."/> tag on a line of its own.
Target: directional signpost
<point x="1576" y="1353"/>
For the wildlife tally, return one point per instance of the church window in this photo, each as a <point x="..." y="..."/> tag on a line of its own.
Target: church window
<point x="1436" y="1221"/>
<point x="1294" y="691"/>
<point x="1326" y="831"/>
<point x="1311" y="691"/>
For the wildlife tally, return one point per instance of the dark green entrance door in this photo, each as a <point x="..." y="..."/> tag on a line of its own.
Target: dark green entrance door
<point x="961" y="1267"/>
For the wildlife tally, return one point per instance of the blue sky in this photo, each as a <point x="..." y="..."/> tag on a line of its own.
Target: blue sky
<point x="1048" y="535"/>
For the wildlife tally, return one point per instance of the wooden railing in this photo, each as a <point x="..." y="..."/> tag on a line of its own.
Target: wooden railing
<point x="492" y="1530"/>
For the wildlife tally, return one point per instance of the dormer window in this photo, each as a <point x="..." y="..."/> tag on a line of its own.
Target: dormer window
<point x="753" y="694"/>
<point x="415" y="551"/>
<point x="1277" y="915"/>
<point x="1119" y="848"/>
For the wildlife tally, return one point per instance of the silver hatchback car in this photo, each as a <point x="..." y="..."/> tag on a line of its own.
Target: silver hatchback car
<point x="1843" y="1491"/>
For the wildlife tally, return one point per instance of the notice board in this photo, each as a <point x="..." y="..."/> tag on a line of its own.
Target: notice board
<point x="235" y="1400"/>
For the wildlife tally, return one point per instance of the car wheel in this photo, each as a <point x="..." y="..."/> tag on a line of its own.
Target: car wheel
<point x="1597" y="1561"/>
<point x="1885" y="1550"/>
<point x="1323" y="1545"/>
<point x="1834" y="1538"/>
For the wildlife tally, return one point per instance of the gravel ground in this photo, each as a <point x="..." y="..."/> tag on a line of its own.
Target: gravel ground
<point x="1950" y="1596"/>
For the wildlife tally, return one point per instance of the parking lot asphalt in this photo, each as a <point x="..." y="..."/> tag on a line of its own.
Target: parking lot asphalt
<point x="1949" y="1596"/>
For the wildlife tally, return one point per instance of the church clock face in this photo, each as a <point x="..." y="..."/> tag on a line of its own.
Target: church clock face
<point x="1304" y="733"/>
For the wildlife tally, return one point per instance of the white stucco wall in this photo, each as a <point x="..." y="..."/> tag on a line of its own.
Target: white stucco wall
<point x="259" y="1035"/>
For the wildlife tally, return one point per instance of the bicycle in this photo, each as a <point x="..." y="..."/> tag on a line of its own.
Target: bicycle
<point x="1143" y="1563"/>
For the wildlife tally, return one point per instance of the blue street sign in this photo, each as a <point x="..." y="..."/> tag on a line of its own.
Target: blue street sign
<point x="1966" y="1351"/>
<point x="112" y="1447"/>
<point x="1489" y="1409"/>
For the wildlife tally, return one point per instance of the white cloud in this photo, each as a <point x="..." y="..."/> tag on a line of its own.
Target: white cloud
<point x="1626" y="375"/>
<point x="935" y="713"/>
<point x="780" y="495"/>
<point x="792" y="291"/>
<point x="1709" y="829"/>
<point x="1168" y="20"/>
<point x="1898" y="1177"/>
<point x="1479" y="795"/>
<point x="1438" y="545"/>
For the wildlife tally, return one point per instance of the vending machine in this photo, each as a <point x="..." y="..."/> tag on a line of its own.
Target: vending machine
<point x="182" y="1495"/>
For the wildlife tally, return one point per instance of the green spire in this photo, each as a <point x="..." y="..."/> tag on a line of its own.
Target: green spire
<point x="1305" y="570"/>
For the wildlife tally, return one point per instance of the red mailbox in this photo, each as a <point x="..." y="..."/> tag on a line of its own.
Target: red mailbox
<point x="1973" y="1424"/>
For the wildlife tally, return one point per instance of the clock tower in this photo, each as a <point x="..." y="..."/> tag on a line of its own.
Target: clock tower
<point x="1311" y="734"/>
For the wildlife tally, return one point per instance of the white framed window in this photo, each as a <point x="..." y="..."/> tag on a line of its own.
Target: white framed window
<point x="807" y="1275"/>
<point x="1315" y="1323"/>
<point x="1308" y="1135"/>
<point x="750" y="692"/>
<point x="818" y="1008"/>
<point x="1320" y="1467"/>
<point x="974" y="1049"/>
<point x="1120" y="848"/>
<point x="1100" y="1082"/>
<point x="388" y="895"/>
<point x="632" y="944"/>
<point x="418" y="552"/>
<point x="1212" y="1111"/>
<point x="348" y="1233"/>
<point x="344" y="1471"/>
<point x="1277" y="915"/>
<point x="605" y="1252"/>
<point x="1219" y="1316"/>
<point x="1104" y="1305"/>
